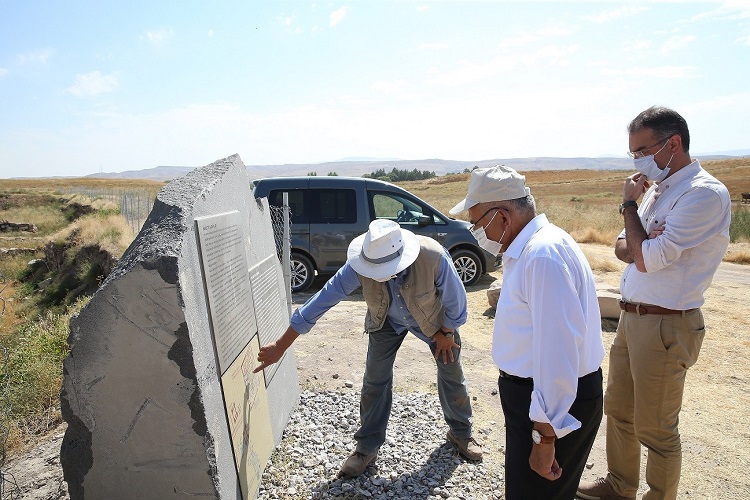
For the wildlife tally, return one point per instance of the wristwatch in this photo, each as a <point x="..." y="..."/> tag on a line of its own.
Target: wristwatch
<point x="538" y="438"/>
<point x="446" y="332"/>
<point x="626" y="204"/>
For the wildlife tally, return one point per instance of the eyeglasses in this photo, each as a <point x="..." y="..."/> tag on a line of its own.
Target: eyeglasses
<point x="642" y="152"/>
<point x="474" y="224"/>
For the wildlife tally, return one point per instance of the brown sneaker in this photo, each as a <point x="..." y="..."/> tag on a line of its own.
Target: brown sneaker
<point x="356" y="464"/>
<point x="468" y="447"/>
<point x="598" y="489"/>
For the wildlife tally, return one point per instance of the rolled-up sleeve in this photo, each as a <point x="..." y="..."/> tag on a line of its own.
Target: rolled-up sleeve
<point x="452" y="293"/>
<point x="558" y="326"/>
<point x="341" y="284"/>
<point x="692" y="220"/>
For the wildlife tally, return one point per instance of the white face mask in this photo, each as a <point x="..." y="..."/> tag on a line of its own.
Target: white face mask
<point x="492" y="246"/>
<point x="648" y="167"/>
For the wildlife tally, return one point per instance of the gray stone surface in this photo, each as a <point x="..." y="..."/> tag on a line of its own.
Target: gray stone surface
<point x="141" y="393"/>
<point x="493" y="293"/>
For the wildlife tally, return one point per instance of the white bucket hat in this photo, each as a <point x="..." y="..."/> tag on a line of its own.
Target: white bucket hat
<point x="384" y="250"/>
<point x="498" y="183"/>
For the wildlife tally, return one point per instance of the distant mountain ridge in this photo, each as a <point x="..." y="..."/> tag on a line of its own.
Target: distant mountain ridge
<point x="358" y="167"/>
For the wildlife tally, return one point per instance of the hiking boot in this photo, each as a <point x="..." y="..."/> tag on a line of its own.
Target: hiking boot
<point x="598" y="489"/>
<point x="468" y="447"/>
<point x="356" y="464"/>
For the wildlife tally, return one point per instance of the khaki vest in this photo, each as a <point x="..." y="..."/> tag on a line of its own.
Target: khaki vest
<point x="418" y="290"/>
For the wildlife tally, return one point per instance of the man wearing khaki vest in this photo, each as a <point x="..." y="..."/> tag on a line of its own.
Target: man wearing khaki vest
<point x="409" y="284"/>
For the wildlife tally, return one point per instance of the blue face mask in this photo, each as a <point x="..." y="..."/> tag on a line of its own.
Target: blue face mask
<point x="648" y="167"/>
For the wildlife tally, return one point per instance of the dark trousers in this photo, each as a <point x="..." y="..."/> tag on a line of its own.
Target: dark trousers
<point x="571" y="451"/>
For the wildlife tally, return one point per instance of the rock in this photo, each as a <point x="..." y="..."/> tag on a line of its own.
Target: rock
<point x="493" y="293"/>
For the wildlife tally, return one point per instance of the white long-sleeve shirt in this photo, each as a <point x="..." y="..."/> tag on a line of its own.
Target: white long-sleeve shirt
<point x="548" y="324"/>
<point x="695" y="209"/>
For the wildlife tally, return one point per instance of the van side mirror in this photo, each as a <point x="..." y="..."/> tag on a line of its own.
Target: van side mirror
<point x="424" y="220"/>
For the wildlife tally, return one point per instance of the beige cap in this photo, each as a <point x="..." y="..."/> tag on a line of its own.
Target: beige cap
<point x="496" y="183"/>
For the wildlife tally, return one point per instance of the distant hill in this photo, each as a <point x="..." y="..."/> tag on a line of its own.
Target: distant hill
<point x="358" y="167"/>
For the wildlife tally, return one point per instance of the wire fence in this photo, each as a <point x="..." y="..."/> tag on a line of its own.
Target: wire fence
<point x="281" y="225"/>
<point x="277" y="222"/>
<point x="135" y="205"/>
<point x="8" y="487"/>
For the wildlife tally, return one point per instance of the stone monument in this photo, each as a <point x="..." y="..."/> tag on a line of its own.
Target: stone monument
<point x="158" y="390"/>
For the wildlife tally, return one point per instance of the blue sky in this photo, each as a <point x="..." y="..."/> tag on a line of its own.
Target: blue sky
<point x="113" y="86"/>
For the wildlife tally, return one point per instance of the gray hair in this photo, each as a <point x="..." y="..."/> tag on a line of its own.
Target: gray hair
<point x="525" y="205"/>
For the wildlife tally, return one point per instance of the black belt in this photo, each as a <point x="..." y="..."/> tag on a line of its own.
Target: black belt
<point x="514" y="378"/>
<point x="529" y="380"/>
<point x="642" y="309"/>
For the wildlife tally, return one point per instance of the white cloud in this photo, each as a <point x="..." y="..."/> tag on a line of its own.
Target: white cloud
<point x="338" y="15"/>
<point x="35" y="57"/>
<point x="539" y="35"/>
<point x="637" y="46"/>
<point x="423" y="8"/>
<point x="434" y="46"/>
<point x="743" y="40"/>
<point x="3" y="72"/>
<point x="157" y="37"/>
<point x="210" y="33"/>
<point x="92" y="84"/>
<point x="727" y="10"/>
<point x="659" y="72"/>
<point x="619" y="13"/>
<point x="676" y="43"/>
<point x="286" y="21"/>
<point x="397" y="89"/>
<point x="467" y="73"/>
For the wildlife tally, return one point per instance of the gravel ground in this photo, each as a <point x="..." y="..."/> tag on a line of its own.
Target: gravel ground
<point x="415" y="462"/>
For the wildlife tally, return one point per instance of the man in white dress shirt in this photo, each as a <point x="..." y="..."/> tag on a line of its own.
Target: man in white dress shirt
<point x="673" y="245"/>
<point x="547" y="340"/>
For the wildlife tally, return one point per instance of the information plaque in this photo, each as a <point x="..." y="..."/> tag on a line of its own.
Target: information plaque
<point x="230" y="298"/>
<point x="271" y="318"/>
<point x="248" y="416"/>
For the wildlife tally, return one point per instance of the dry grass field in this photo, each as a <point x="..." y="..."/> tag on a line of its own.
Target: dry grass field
<point x="583" y="202"/>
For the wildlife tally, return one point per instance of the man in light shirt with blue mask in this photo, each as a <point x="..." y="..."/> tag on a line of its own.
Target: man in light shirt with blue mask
<point x="547" y="339"/>
<point x="673" y="244"/>
<point x="409" y="284"/>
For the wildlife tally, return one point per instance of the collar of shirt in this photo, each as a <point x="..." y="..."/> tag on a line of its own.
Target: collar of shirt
<point x="686" y="172"/>
<point x="516" y="247"/>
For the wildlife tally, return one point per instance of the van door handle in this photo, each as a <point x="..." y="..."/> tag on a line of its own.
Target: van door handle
<point x="442" y="234"/>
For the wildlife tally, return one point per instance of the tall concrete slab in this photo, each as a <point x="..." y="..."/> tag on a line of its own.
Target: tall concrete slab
<point x="158" y="403"/>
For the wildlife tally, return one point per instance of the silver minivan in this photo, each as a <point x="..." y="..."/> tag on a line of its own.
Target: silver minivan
<point x="328" y="212"/>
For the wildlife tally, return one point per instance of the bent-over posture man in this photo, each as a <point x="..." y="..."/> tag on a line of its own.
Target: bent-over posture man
<point x="409" y="284"/>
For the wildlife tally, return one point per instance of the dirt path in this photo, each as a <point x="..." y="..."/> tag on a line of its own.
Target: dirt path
<point x="713" y="421"/>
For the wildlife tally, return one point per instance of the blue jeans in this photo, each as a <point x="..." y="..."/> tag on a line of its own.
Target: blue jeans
<point x="377" y="390"/>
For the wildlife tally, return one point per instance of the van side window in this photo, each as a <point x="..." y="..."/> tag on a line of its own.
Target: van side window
<point x="333" y="206"/>
<point x="398" y="208"/>
<point x="296" y="204"/>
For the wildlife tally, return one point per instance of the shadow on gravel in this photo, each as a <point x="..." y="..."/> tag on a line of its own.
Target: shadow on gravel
<point x="426" y="482"/>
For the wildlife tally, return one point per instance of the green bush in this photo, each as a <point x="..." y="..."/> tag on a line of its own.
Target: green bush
<point x="34" y="369"/>
<point x="739" y="228"/>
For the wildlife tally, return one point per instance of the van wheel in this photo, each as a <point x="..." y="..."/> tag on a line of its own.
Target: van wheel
<point x="302" y="272"/>
<point x="468" y="266"/>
